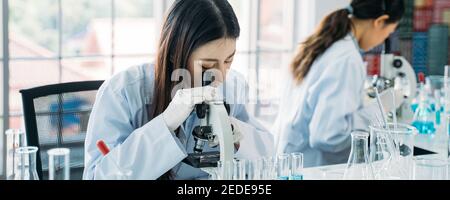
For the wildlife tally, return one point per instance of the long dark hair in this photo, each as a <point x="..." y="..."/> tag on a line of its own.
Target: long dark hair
<point x="337" y="25"/>
<point x="188" y="25"/>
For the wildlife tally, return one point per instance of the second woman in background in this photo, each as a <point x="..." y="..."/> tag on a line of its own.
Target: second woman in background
<point x="324" y="100"/>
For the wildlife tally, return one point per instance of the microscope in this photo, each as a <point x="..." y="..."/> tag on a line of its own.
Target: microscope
<point x="214" y="126"/>
<point x="396" y="72"/>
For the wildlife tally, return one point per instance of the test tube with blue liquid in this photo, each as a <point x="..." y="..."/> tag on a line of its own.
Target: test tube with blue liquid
<point x="283" y="167"/>
<point x="296" y="166"/>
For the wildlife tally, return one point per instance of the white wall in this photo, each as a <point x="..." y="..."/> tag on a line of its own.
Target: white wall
<point x="311" y="13"/>
<point x="325" y="7"/>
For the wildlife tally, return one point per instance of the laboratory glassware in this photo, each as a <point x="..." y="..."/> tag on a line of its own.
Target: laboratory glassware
<point x="426" y="168"/>
<point x="225" y="170"/>
<point x="26" y="165"/>
<point x="296" y="166"/>
<point x="391" y="150"/>
<point x="59" y="164"/>
<point x="239" y="169"/>
<point x="424" y="116"/>
<point x="358" y="165"/>
<point x="15" y="138"/>
<point x="283" y="166"/>
<point x="269" y="168"/>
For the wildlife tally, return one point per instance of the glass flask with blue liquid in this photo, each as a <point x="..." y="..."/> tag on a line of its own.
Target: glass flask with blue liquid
<point x="424" y="117"/>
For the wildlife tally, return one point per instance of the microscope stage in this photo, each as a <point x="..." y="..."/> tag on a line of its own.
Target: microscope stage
<point x="203" y="160"/>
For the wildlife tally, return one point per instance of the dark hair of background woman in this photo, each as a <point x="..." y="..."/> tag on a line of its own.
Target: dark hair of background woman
<point x="336" y="26"/>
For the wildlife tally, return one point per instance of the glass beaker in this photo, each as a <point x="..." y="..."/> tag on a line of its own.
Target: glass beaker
<point x="59" y="164"/>
<point x="26" y="164"/>
<point x="358" y="165"/>
<point x="430" y="169"/>
<point x="391" y="150"/>
<point x="15" y="138"/>
<point x="296" y="166"/>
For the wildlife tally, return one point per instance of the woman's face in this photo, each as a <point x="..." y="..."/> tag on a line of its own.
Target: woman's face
<point x="215" y="56"/>
<point x="377" y="32"/>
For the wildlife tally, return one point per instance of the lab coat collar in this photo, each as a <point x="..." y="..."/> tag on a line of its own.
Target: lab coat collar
<point x="356" y="43"/>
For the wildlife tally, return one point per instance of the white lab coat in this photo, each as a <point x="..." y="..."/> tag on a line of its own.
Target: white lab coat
<point x="317" y="116"/>
<point x="147" y="147"/>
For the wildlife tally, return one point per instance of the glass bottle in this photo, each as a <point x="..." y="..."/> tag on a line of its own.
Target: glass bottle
<point x="358" y="165"/>
<point x="26" y="164"/>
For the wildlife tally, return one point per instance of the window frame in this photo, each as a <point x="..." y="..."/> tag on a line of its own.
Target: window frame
<point x="4" y="90"/>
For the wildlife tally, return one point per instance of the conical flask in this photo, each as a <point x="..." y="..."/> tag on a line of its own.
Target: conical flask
<point x="358" y="165"/>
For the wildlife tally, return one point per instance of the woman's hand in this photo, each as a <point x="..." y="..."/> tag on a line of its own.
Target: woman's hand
<point x="237" y="135"/>
<point x="183" y="104"/>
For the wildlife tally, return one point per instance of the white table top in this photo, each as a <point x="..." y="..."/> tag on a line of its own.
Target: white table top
<point x="336" y="172"/>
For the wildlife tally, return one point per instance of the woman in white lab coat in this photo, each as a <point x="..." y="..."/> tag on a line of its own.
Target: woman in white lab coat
<point x="324" y="99"/>
<point x="145" y="114"/>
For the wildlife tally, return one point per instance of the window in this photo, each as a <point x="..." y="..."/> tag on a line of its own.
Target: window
<point x="3" y="80"/>
<point x="89" y="40"/>
<point x="78" y="40"/>
<point x="264" y="49"/>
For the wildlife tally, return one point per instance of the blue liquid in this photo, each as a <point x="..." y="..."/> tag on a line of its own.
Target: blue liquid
<point x="424" y="127"/>
<point x="283" y="178"/>
<point x="296" y="177"/>
<point x="438" y="117"/>
<point x="414" y="107"/>
<point x="432" y="107"/>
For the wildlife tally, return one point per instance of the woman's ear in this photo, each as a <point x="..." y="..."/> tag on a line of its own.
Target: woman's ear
<point x="380" y="22"/>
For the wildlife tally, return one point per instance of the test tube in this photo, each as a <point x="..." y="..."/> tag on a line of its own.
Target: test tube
<point x="255" y="169"/>
<point x="283" y="167"/>
<point x="225" y="170"/>
<point x="15" y="138"/>
<point x="239" y="171"/>
<point x="296" y="166"/>
<point x="59" y="164"/>
<point x="268" y="170"/>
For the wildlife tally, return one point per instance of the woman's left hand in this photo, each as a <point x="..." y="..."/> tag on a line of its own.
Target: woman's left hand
<point x="237" y="135"/>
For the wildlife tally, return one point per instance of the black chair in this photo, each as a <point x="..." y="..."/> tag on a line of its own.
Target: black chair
<point x="56" y="116"/>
